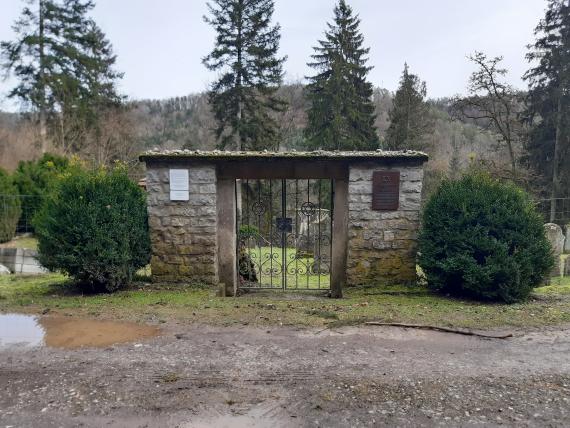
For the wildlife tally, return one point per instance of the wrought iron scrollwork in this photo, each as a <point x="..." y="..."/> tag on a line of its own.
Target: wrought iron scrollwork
<point x="284" y="238"/>
<point x="308" y="209"/>
<point x="258" y="208"/>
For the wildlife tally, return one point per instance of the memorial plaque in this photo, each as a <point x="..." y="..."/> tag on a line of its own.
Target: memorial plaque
<point x="179" y="185"/>
<point x="385" y="190"/>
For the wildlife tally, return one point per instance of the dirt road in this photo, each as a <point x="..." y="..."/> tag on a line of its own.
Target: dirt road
<point x="199" y="376"/>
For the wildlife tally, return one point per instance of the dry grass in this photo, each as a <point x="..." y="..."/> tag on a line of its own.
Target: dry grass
<point x="21" y="242"/>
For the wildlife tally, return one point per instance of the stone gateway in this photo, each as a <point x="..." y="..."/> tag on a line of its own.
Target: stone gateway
<point x="297" y="220"/>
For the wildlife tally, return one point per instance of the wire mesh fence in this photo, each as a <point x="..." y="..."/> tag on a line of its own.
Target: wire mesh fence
<point x="18" y="210"/>
<point x="555" y="210"/>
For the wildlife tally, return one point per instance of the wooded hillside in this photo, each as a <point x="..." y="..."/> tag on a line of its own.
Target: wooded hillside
<point x="187" y="122"/>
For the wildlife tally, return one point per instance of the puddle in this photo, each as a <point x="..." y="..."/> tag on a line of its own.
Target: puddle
<point x="241" y="421"/>
<point x="18" y="329"/>
<point x="68" y="332"/>
<point x="261" y="416"/>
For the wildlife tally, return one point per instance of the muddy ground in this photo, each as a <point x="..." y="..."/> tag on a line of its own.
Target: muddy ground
<point x="199" y="376"/>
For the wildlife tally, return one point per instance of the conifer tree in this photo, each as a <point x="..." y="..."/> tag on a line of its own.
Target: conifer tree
<point x="410" y="121"/>
<point x="92" y="88"/>
<point x="341" y="113"/>
<point x="549" y="101"/>
<point x="63" y="65"/>
<point x="245" y="53"/>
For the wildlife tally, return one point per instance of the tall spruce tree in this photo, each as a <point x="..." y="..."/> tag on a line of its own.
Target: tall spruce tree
<point x="549" y="101"/>
<point x="64" y="68"/>
<point x="92" y="88"/>
<point x="341" y="113"/>
<point x="245" y="53"/>
<point x="410" y="121"/>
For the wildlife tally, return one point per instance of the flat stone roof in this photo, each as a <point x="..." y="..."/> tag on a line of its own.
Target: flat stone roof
<point x="292" y="155"/>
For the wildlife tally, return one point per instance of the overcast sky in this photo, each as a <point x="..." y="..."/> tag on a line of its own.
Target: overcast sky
<point x="160" y="43"/>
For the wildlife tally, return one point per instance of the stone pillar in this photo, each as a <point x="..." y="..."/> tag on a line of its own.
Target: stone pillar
<point x="183" y="233"/>
<point x="227" y="264"/>
<point x="339" y="237"/>
<point x="382" y="245"/>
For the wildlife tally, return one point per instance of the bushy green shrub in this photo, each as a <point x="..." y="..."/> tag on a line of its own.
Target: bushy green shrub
<point x="10" y="209"/>
<point x="94" y="227"/>
<point x="483" y="239"/>
<point x="248" y="231"/>
<point x="34" y="180"/>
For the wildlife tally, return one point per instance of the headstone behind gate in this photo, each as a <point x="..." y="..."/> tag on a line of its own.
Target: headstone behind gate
<point x="556" y="238"/>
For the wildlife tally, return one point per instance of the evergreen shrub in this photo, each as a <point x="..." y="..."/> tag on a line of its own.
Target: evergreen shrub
<point x="483" y="239"/>
<point x="94" y="227"/>
<point x="10" y="207"/>
<point x="34" y="180"/>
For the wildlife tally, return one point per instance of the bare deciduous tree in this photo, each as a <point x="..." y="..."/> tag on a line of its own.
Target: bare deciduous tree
<point x="493" y="104"/>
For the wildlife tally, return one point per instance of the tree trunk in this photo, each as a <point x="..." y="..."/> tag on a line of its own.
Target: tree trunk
<point x="556" y="160"/>
<point x="508" y="135"/>
<point x="513" y="160"/>
<point x="42" y="104"/>
<point x="61" y="142"/>
<point x="43" y="131"/>
<point x="239" y="106"/>
<point x="238" y="182"/>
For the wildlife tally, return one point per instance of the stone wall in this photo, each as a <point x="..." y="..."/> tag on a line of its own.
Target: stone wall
<point x="379" y="247"/>
<point x="183" y="233"/>
<point x="382" y="245"/>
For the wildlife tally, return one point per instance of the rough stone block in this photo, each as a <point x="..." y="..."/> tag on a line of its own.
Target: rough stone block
<point x="205" y="211"/>
<point x="202" y="189"/>
<point x="200" y="175"/>
<point x="159" y="268"/>
<point x="412" y="203"/>
<point x="415" y="174"/>
<point x="411" y="187"/>
<point x="359" y="198"/>
<point x="362" y="188"/>
<point x="156" y="176"/>
<point x="379" y="244"/>
<point x="202" y="200"/>
<point x="154" y="222"/>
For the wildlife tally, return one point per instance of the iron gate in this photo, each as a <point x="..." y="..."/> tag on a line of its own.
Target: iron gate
<point x="284" y="230"/>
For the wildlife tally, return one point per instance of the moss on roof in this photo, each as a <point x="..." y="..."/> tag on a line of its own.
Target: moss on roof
<point x="252" y="155"/>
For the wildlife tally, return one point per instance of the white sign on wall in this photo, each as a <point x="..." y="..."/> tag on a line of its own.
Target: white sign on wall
<point x="179" y="185"/>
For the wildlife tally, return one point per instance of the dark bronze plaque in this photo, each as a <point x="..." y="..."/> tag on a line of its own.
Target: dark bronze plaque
<point x="385" y="190"/>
